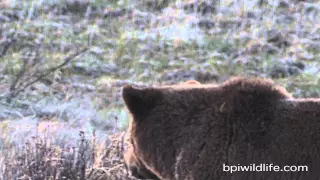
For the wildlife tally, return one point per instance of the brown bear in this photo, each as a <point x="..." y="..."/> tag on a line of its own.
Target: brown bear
<point x="201" y="132"/>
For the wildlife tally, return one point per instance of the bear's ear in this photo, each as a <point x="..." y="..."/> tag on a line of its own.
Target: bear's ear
<point x="140" y="101"/>
<point x="192" y="82"/>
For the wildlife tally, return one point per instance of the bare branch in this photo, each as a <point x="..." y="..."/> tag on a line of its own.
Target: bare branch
<point x="15" y="91"/>
<point x="20" y="74"/>
<point x="6" y="47"/>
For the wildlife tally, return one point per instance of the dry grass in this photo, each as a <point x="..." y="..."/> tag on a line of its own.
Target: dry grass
<point x="37" y="159"/>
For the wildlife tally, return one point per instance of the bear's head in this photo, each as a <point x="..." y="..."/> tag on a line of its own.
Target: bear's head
<point x="136" y="167"/>
<point x="146" y="106"/>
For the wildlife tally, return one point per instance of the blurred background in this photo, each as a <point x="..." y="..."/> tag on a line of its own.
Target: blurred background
<point x="63" y="63"/>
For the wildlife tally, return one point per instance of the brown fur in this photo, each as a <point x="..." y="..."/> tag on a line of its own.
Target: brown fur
<point x="136" y="167"/>
<point x="192" y="82"/>
<point x="190" y="131"/>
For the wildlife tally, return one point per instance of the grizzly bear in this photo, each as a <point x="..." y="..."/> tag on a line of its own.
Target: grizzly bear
<point x="202" y="132"/>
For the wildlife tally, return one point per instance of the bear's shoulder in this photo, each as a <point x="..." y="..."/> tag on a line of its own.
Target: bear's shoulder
<point x="255" y="87"/>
